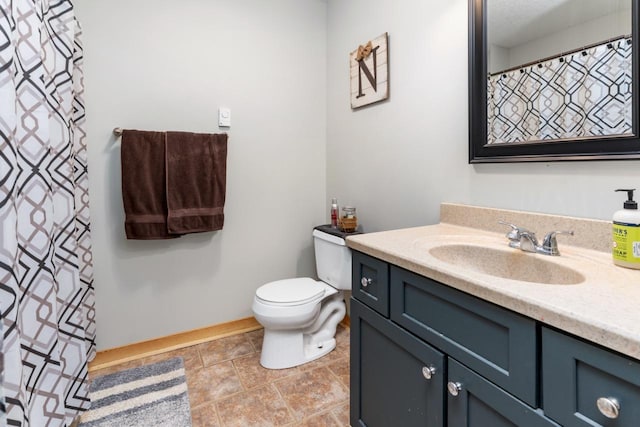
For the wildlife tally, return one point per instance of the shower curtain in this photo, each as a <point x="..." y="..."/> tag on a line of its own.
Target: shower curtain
<point x="583" y="94"/>
<point x="46" y="272"/>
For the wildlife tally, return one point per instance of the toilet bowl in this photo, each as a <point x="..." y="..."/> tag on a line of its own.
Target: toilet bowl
<point x="300" y="315"/>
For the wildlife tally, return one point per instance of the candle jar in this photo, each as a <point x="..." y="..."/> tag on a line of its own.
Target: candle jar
<point x="348" y="219"/>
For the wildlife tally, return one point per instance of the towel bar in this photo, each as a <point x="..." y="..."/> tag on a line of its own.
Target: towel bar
<point x="117" y="131"/>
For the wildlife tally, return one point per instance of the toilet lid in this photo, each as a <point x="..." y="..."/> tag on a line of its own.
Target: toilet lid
<point x="291" y="291"/>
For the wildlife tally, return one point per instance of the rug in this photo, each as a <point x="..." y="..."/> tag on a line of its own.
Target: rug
<point x="149" y="395"/>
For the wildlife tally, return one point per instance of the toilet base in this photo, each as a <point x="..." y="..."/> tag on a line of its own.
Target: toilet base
<point x="282" y="349"/>
<point x="287" y="348"/>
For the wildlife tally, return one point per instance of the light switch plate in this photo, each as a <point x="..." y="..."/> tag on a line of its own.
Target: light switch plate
<point x="224" y="117"/>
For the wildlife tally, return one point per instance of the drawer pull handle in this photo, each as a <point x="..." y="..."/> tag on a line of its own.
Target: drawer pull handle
<point x="454" y="388"/>
<point x="428" y="372"/>
<point x="609" y="407"/>
<point x="365" y="281"/>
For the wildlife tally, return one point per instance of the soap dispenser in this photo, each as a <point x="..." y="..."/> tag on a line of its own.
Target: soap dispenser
<point x="626" y="233"/>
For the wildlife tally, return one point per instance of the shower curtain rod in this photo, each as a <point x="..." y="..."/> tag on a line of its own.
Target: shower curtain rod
<point x="538" y="61"/>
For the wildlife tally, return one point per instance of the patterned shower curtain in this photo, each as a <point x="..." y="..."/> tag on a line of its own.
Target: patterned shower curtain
<point x="46" y="272"/>
<point x="584" y="94"/>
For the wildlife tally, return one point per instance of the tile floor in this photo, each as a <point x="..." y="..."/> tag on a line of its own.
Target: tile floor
<point x="228" y="387"/>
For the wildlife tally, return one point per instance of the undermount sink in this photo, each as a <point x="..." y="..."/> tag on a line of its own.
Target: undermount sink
<point x="507" y="264"/>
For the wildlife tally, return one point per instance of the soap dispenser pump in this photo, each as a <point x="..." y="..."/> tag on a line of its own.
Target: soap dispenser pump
<point x="626" y="233"/>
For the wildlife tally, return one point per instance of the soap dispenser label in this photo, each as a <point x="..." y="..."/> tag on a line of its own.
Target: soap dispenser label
<point x="626" y="242"/>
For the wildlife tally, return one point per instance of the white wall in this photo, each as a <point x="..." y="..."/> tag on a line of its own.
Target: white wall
<point x="282" y="68"/>
<point x="398" y="160"/>
<point x="574" y="37"/>
<point x="167" y="65"/>
<point x="497" y="58"/>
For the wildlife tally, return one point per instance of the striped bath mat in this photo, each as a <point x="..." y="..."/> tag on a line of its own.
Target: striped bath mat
<point x="150" y="395"/>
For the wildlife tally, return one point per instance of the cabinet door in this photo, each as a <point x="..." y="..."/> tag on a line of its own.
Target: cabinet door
<point x="480" y="403"/>
<point x="370" y="282"/>
<point x="498" y="344"/>
<point x="389" y="385"/>
<point x="584" y="385"/>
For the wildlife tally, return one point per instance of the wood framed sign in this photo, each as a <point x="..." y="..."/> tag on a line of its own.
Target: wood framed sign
<point x="369" y="72"/>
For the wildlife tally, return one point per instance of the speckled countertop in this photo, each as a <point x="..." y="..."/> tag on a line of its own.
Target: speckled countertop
<point x="604" y="307"/>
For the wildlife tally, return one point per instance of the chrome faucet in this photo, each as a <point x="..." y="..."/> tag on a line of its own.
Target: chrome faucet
<point x="515" y="235"/>
<point x="550" y="245"/>
<point x="525" y="240"/>
<point x="529" y="241"/>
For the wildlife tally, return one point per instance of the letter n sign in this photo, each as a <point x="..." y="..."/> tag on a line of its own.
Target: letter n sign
<point x="370" y="74"/>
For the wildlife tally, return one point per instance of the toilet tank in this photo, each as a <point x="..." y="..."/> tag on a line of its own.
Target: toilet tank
<point x="333" y="260"/>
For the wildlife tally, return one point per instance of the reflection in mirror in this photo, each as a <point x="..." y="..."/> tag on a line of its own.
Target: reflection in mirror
<point x="558" y="70"/>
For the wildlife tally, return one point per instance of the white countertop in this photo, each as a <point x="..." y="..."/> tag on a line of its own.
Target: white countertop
<point x="604" y="308"/>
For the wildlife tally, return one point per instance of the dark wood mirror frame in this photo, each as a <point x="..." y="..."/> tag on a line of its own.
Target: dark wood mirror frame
<point x="606" y="148"/>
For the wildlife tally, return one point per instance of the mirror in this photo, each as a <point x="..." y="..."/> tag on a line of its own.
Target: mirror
<point x="552" y="80"/>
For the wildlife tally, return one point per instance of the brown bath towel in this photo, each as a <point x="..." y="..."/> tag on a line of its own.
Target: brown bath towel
<point x="196" y="168"/>
<point x="143" y="185"/>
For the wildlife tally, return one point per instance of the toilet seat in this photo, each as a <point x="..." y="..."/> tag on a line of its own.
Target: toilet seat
<point x="291" y="292"/>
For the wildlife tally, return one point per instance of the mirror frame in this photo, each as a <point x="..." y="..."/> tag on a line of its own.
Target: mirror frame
<point x="605" y="148"/>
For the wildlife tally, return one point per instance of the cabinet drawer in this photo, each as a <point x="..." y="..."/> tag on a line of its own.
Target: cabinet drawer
<point x="480" y="403"/>
<point x="370" y="282"/>
<point x="497" y="343"/>
<point x="388" y="386"/>
<point x="575" y="374"/>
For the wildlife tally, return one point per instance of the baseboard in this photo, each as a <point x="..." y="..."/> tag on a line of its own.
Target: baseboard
<point x="127" y="353"/>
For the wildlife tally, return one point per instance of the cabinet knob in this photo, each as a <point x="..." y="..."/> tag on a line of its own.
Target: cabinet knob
<point x="428" y="372"/>
<point x="454" y="388"/>
<point x="365" y="281"/>
<point x="609" y="407"/>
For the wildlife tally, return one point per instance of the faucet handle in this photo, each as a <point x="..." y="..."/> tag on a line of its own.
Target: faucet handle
<point x="515" y="230"/>
<point x="515" y="234"/>
<point x="550" y="244"/>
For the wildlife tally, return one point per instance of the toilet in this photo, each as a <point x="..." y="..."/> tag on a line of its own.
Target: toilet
<point x="300" y="315"/>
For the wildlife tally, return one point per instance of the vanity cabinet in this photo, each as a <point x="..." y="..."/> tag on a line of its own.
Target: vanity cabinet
<point x="425" y="354"/>
<point x="585" y="385"/>
<point x="498" y="344"/>
<point x="400" y="379"/>
<point x="480" y="403"/>
<point x="370" y="278"/>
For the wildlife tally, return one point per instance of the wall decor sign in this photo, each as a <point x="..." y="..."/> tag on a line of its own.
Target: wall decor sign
<point x="369" y="72"/>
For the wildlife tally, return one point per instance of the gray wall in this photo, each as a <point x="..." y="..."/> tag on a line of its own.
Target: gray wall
<point x="167" y="65"/>
<point x="282" y="68"/>
<point x="587" y="33"/>
<point x="398" y="160"/>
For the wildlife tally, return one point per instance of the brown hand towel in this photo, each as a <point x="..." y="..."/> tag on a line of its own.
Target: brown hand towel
<point x="143" y="185"/>
<point x="196" y="168"/>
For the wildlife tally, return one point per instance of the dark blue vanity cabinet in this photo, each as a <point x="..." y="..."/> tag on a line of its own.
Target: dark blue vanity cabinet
<point x="585" y="385"/>
<point x="400" y="380"/>
<point x="425" y="354"/>
<point x="480" y="403"/>
<point x="370" y="282"/>
<point x="498" y="344"/>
